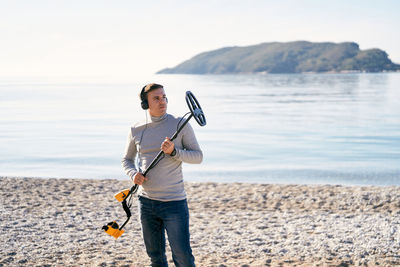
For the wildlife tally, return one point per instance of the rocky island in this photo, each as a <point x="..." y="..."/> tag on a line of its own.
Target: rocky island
<point x="289" y="57"/>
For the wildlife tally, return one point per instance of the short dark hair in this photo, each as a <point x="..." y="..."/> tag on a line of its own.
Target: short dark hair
<point x="148" y="88"/>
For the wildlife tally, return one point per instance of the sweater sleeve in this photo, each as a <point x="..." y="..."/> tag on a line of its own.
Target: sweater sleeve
<point x="128" y="160"/>
<point x="191" y="152"/>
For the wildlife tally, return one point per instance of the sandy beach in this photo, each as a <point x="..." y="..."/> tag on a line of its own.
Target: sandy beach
<point x="57" y="222"/>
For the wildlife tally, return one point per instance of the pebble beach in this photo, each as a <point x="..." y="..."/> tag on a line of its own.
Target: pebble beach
<point x="58" y="222"/>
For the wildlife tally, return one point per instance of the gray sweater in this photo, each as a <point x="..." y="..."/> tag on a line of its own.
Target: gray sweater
<point x="165" y="180"/>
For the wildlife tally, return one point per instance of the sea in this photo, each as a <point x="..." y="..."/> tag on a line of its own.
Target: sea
<point x="261" y="128"/>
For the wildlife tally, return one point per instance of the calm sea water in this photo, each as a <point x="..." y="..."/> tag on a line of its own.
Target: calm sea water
<point x="314" y="128"/>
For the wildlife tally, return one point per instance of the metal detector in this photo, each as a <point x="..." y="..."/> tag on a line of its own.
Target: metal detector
<point x="112" y="228"/>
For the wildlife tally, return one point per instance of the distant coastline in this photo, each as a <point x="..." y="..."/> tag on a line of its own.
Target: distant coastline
<point x="290" y="57"/>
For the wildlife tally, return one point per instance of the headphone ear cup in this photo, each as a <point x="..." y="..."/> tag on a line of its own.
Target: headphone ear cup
<point x="145" y="104"/>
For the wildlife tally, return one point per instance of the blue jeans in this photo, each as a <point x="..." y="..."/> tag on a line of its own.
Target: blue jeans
<point x="172" y="216"/>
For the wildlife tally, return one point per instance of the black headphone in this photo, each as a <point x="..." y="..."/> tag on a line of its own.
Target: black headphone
<point x="143" y="97"/>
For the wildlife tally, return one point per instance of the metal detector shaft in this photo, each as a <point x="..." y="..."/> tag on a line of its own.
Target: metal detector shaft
<point x="159" y="155"/>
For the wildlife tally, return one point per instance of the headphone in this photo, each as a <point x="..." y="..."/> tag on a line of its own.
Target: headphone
<point x="143" y="97"/>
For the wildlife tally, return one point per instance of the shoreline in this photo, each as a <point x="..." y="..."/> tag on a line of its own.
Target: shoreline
<point x="57" y="221"/>
<point x="235" y="181"/>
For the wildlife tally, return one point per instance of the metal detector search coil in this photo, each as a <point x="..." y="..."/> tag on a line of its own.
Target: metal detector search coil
<point x="195" y="109"/>
<point x="112" y="228"/>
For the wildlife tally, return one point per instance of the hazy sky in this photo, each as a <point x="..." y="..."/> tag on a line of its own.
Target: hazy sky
<point x="131" y="38"/>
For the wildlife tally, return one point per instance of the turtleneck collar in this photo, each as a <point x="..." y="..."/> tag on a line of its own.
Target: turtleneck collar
<point x="158" y="119"/>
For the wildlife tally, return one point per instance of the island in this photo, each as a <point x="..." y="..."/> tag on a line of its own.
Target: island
<point x="287" y="57"/>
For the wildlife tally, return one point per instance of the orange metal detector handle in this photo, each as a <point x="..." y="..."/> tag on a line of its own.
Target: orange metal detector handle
<point x="112" y="229"/>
